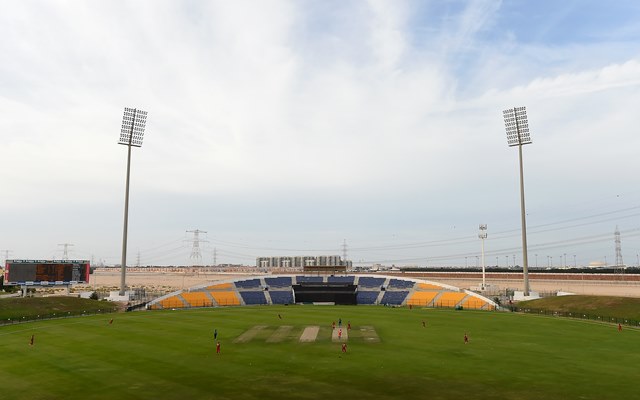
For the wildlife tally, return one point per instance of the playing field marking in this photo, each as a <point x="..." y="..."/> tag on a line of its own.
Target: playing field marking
<point x="250" y="334"/>
<point x="339" y="335"/>
<point x="310" y="334"/>
<point x="369" y="334"/>
<point x="280" y="334"/>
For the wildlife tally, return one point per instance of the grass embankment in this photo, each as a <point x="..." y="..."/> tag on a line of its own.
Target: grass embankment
<point x="604" y="306"/>
<point x="19" y="308"/>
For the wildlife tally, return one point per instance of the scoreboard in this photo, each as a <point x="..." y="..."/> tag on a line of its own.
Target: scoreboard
<point x="46" y="272"/>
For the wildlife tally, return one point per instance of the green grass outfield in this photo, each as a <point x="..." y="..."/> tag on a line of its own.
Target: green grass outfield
<point x="171" y="355"/>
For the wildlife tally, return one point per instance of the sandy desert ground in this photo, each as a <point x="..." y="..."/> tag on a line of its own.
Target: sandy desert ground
<point x="176" y="280"/>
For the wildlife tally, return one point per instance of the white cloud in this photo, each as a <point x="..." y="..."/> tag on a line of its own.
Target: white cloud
<point x="292" y="107"/>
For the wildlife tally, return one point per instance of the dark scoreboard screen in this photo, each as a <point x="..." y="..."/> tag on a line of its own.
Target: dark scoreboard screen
<point x="52" y="272"/>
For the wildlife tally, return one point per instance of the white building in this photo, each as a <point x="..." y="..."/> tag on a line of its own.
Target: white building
<point x="301" y="262"/>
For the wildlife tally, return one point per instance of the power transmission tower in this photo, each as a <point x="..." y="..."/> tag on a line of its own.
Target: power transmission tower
<point x="65" y="253"/>
<point x="6" y="255"/>
<point x="344" y="251"/>
<point x="619" y="263"/>
<point x="196" y="255"/>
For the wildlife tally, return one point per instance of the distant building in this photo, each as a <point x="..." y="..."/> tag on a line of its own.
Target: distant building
<point x="300" y="262"/>
<point x="597" y="264"/>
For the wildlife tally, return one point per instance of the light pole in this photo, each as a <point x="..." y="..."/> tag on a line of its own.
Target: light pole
<point x="517" y="127"/>
<point x="575" y="265"/>
<point x="483" y="235"/>
<point x="131" y="134"/>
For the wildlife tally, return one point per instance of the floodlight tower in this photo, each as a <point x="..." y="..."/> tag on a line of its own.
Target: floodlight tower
<point x="131" y="134"/>
<point x="517" y="126"/>
<point x="482" y="234"/>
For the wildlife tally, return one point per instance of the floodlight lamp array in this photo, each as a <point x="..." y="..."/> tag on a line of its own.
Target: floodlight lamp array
<point x="517" y="126"/>
<point x="483" y="231"/>
<point x="133" y="123"/>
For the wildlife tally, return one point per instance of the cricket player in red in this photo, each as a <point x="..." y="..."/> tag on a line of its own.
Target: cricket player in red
<point x="619" y="327"/>
<point x="218" y="348"/>
<point x="466" y="339"/>
<point x="340" y="333"/>
<point x="344" y="347"/>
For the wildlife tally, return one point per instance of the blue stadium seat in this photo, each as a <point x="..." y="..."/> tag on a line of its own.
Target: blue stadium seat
<point x="281" y="297"/>
<point x="341" y="279"/>
<point x="401" y="284"/>
<point x="309" y="279"/>
<point x="394" y="298"/>
<point x="283" y="281"/>
<point x="253" y="297"/>
<point x="367" y="297"/>
<point x="367" y="281"/>
<point x="248" y="284"/>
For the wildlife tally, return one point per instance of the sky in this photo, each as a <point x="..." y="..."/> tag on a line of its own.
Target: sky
<point x="285" y="128"/>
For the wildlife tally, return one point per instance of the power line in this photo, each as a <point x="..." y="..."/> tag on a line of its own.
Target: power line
<point x="166" y="251"/>
<point x="508" y="251"/>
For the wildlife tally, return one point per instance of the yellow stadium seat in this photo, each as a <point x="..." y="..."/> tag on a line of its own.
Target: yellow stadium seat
<point x="449" y="299"/>
<point x="428" y="286"/>
<point x="172" y="302"/>
<point x="226" y="298"/>
<point x="421" y="298"/>
<point x="475" y="303"/>
<point x="197" y="299"/>
<point x="221" y="286"/>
